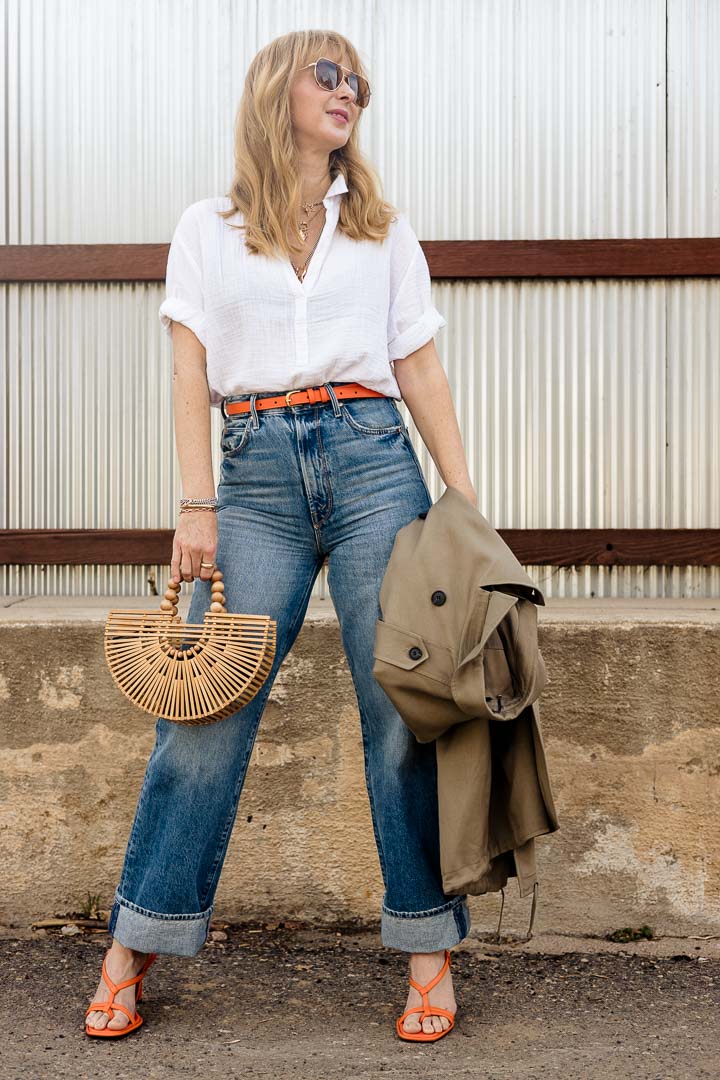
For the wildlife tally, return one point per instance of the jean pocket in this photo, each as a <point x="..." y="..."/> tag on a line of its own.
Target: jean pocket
<point x="235" y="434"/>
<point x="372" y="416"/>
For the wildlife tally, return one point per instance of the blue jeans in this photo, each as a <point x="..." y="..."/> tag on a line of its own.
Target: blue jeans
<point x="297" y="484"/>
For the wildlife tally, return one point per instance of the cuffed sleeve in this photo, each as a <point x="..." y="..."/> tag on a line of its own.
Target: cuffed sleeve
<point x="412" y="318"/>
<point x="183" y="279"/>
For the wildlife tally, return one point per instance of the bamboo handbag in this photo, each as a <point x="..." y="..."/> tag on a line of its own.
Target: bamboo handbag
<point x="189" y="672"/>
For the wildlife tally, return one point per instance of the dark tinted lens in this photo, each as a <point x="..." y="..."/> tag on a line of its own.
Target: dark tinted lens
<point x="360" y="88"/>
<point x="327" y="74"/>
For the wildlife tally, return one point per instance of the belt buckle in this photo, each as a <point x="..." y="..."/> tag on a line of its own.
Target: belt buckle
<point x="290" y="394"/>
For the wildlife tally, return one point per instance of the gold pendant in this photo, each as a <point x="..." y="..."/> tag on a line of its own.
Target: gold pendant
<point x="303" y="231"/>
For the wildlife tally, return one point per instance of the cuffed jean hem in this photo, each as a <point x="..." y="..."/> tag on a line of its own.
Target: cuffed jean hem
<point x="153" y="931"/>
<point x="425" y="931"/>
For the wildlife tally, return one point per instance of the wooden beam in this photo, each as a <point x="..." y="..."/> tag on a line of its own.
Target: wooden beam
<point x="537" y="547"/>
<point x="450" y="259"/>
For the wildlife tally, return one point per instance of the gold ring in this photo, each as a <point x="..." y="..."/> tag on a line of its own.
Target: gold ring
<point x="207" y="563"/>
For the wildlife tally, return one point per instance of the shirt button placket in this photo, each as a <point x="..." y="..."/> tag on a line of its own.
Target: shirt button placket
<point x="301" y="333"/>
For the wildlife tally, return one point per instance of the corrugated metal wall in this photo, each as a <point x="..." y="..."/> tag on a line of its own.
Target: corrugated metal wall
<point x="582" y="404"/>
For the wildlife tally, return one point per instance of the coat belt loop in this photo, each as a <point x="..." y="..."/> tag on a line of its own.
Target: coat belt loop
<point x="502" y="905"/>
<point x="532" y="910"/>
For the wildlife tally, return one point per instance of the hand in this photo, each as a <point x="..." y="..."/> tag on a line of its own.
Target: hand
<point x="195" y="541"/>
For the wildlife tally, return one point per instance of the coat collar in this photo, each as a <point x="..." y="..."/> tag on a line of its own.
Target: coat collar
<point x="491" y="563"/>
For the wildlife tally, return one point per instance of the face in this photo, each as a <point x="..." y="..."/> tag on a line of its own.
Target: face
<point x="311" y="108"/>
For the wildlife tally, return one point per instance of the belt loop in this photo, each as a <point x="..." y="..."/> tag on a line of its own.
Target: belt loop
<point x="336" y="403"/>
<point x="222" y="409"/>
<point x="253" y="410"/>
<point x="532" y="910"/>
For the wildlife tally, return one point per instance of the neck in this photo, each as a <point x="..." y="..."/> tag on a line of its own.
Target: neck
<point x="314" y="177"/>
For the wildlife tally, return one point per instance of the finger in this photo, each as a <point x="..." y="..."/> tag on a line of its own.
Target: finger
<point x="206" y="572"/>
<point x="186" y="565"/>
<point x="175" y="564"/>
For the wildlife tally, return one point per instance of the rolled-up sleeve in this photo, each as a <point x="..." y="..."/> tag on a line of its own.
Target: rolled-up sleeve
<point x="183" y="278"/>
<point x="412" y="318"/>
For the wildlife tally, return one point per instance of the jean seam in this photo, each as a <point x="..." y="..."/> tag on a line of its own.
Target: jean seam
<point x="326" y="470"/>
<point x="365" y="430"/>
<point x="230" y="454"/>
<point x="413" y="454"/>
<point x="455" y="903"/>
<point x="159" y="915"/>
<point x="460" y="920"/>
<point x="371" y="800"/>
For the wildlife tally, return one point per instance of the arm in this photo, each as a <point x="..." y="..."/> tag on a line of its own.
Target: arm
<point x="196" y="533"/>
<point x="413" y="321"/>
<point x="426" y="392"/>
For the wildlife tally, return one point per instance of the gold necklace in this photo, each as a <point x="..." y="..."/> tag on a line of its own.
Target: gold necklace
<point x="303" y="226"/>
<point x="302" y="272"/>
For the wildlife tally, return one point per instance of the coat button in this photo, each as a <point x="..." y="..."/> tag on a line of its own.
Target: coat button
<point x="423" y="514"/>
<point x="415" y="652"/>
<point x="438" y="597"/>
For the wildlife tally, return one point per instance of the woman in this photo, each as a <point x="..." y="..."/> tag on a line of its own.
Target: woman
<point x="301" y="280"/>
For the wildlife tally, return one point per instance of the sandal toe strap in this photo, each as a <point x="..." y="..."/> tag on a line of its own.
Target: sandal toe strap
<point x="432" y="1010"/>
<point x="109" y="1007"/>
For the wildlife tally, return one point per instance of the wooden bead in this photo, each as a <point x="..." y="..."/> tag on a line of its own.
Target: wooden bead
<point x="217" y="575"/>
<point x="171" y="595"/>
<point x="165" y="605"/>
<point x="174" y="585"/>
<point x="217" y="607"/>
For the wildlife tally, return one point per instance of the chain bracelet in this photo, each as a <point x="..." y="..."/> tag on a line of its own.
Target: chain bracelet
<point x="210" y="500"/>
<point x="192" y="509"/>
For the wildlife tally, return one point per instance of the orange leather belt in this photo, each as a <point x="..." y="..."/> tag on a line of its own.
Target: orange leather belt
<point x="309" y="395"/>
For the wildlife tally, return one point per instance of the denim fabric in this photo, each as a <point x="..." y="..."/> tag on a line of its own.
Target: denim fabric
<point x="297" y="483"/>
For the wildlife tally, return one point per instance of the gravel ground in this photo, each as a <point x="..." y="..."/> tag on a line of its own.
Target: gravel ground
<point x="287" y="1001"/>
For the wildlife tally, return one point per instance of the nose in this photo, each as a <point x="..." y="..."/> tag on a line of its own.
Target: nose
<point x="345" y="89"/>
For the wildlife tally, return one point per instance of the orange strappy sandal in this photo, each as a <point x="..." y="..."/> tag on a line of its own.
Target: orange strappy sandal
<point x="427" y="1010"/>
<point x="111" y="1006"/>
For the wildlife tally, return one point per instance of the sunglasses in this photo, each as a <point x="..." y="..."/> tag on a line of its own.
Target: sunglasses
<point x="329" y="75"/>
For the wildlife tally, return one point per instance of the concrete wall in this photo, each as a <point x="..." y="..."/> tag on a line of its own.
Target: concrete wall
<point x="631" y="725"/>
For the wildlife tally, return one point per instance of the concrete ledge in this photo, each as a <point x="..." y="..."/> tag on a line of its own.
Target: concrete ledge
<point x="630" y="720"/>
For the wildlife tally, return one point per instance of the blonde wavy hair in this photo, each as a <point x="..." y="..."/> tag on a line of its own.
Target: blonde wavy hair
<point x="266" y="186"/>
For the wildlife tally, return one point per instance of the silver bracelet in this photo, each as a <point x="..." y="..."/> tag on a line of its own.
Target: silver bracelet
<point x="210" y="501"/>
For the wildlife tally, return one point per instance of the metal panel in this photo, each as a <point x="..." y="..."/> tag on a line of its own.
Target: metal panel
<point x="693" y="118"/>
<point x="580" y="403"/>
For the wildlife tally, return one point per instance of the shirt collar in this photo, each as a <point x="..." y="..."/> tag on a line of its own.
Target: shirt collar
<point x="338" y="187"/>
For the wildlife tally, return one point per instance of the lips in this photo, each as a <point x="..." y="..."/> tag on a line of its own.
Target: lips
<point x="338" y="113"/>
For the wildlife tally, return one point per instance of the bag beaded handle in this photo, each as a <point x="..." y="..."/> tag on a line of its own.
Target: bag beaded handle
<point x="190" y="673"/>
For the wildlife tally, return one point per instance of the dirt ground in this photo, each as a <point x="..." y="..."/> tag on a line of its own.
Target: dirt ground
<point x="292" y="1002"/>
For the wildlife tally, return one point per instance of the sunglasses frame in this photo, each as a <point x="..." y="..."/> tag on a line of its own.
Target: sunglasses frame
<point x="344" y="77"/>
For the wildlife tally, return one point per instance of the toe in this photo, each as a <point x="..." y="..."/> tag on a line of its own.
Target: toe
<point x="119" y="1020"/>
<point x="410" y="1024"/>
<point x="97" y="1019"/>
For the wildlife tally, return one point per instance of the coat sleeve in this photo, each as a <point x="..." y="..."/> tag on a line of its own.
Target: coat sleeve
<point x="412" y="318"/>
<point x="183" y="278"/>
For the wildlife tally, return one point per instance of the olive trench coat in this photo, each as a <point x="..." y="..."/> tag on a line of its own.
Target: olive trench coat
<point x="456" y="651"/>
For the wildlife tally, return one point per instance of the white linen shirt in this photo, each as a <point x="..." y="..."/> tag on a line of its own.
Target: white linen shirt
<point x="362" y="304"/>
